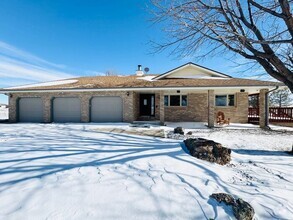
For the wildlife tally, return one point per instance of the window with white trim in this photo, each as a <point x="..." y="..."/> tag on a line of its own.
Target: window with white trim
<point x="175" y="100"/>
<point x="225" y="100"/>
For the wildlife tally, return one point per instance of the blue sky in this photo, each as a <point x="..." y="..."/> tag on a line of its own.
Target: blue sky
<point x="43" y="40"/>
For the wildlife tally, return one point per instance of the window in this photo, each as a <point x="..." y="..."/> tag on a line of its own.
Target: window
<point x="225" y="100"/>
<point x="175" y="100"/>
<point x="184" y="100"/>
<point x="230" y="100"/>
<point x="221" y="100"/>
<point x="166" y="100"/>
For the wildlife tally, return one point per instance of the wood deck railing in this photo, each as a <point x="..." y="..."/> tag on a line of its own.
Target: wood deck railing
<point x="276" y="114"/>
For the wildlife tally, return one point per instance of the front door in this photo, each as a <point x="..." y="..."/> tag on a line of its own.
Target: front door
<point x="147" y="104"/>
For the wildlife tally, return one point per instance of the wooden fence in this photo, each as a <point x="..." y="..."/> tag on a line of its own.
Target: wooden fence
<point x="276" y="114"/>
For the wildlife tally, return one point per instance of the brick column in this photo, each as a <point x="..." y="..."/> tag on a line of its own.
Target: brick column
<point x="47" y="108"/>
<point x="12" y="111"/>
<point x="162" y="108"/>
<point x="157" y="106"/>
<point x="211" y="108"/>
<point x="129" y="113"/>
<point x="262" y="107"/>
<point x="85" y="108"/>
<point x="241" y="107"/>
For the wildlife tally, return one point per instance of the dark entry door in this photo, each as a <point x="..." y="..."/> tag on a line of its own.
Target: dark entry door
<point x="147" y="104"/>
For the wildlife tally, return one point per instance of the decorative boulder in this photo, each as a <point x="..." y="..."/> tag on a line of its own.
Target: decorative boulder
<point x="223" y="197"/>
<point x="241" y="209"/>
<point x="179" y="130"/>
<point x="208" y="150"/>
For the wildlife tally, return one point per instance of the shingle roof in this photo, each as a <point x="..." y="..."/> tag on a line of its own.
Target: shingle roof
<point x="100" y="82"/>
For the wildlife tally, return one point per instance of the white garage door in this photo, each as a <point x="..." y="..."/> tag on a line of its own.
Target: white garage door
<point x="30" y="110"/>
<point x="106" y="109"/>
<point x="66" y="110"/>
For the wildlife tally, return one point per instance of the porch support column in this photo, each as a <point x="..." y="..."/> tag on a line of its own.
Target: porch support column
<point x="162" y="108"/>
<point x="211" y="108"/>
<point x="263" y="108"/>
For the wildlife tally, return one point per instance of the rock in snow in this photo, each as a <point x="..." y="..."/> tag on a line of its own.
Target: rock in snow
<point x="208" y="150"/>
<point x="241" y="209"/>
<point x="189" y="133"/>
<point x="179" y="130"/>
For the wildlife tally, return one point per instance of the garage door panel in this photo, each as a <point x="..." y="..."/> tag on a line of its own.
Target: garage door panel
<point x="66" y="110"/>
<point x="30" y="110"/>
<point x="106" y="109"/>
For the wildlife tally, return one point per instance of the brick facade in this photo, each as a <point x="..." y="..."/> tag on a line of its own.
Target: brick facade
<point x="136" y="105"/>
<point x="128" y="98"/>
<point x="237" y="113"/>
<point x="157" y="105"/>
<point x="197" y="109"/>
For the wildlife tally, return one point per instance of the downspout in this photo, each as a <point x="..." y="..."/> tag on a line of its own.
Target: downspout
<point x="267" y="106"/>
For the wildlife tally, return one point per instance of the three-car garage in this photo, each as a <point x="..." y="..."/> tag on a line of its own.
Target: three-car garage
<point x="69" y="109"/>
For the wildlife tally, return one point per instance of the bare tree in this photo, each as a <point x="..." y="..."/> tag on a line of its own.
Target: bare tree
<point x="253" y="101"/>
<point x="111" y="73"/>
<point x="260" y="31"/>
<point x="281" y="98"/>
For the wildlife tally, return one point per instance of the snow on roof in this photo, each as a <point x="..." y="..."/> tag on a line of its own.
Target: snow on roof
<point x="147" y="77"/>
<point x="52" y="83"/>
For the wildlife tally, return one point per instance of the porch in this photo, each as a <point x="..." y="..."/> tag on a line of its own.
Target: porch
<point x="195" y="105"/>
<point x="276" y="114"/>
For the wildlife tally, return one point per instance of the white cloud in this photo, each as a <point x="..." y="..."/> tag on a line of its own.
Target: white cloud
<point x="17" y="65"/>
<point x="16" y="53"/>
<point x="262" y="77"/>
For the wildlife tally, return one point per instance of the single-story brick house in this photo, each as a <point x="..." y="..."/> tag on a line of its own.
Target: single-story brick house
<point x="187" y="93"/>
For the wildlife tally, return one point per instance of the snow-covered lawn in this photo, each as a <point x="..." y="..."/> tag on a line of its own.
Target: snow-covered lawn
<point x="3" y="113"/>
<point x="70" y="171"/>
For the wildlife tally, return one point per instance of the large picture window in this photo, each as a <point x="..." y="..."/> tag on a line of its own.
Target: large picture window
<point x="175" y="100"/>
<point x="225" y="100"/>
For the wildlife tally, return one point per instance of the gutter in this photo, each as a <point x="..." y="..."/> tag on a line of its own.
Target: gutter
<point x="7" y="91"/>
<point x="267" y="106"/>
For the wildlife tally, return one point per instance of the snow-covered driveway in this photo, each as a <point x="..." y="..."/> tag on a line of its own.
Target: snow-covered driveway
<point x="69" y="171"/>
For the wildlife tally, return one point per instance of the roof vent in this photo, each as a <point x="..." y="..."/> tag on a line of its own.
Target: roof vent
<point x="139" y="71"/>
